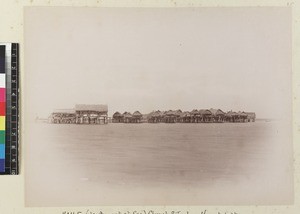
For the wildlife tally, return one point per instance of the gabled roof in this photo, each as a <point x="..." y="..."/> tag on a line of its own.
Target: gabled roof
<point x="231" y="113"/>
<point x="117" y="114"/>
<point x="83" y="107"/>
<point x="127" y="114"/>
<point x="205" y="112"/>
<point x="64" y="111"/>
<point x="216" y="111"/>
<point x="194" y="112"/>
<point x="242" y="114"/>
<point x="137" y="114"/>
<point x="178" y="112"/>
<point x="185" y="114"/>
<point x="170" y="113"/>
<point x="155" y="114"/>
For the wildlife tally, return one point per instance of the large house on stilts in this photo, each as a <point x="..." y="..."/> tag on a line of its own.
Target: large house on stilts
<point x="91" y="114"/>
<point x="81" y="114"/>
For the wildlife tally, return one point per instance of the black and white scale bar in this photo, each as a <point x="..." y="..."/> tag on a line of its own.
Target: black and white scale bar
<point x="12" y="109"/>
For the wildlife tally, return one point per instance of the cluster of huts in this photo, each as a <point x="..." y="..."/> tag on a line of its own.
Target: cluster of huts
<point x="177" y="116"/>
<point x="98" y="114"/>
<point x="81" y="114"/>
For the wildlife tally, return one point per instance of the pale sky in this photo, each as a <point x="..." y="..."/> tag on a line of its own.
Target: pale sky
<point x="150" y="59"/>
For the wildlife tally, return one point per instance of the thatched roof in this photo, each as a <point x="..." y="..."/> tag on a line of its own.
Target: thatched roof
<point x="117" y="114"/>
<point x="231" y="114"/>
<point x="64" y="111"/>
<point x="127" y="114"/>
<point x="160" y="113"/>
<point x="178" y="112"/>
<point x="170" y="113"/>
<point x="195" y="112"/>
<point x="155" y="114"/>
<point x="243" y="114"/>
<point x="205" y="112"/>
<point x="216" y="111"/>
<point x="185" y="114"/>
<point x="83" y="107"/>
<point x="137" y="114"/>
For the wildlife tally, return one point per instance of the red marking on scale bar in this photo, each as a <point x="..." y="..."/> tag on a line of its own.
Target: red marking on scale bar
<point x="2" y="108"/>
<point x="2" y="95"/>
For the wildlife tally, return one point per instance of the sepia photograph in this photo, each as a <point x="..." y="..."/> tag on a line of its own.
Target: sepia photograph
<point x="158" y="106"/>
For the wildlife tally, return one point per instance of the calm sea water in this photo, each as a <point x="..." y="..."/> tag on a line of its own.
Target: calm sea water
<point x="81" y="160"/>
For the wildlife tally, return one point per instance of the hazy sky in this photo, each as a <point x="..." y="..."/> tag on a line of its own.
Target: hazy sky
<point x="149" y="59"/>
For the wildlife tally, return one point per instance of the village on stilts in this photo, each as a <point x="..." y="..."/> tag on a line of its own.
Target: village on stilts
<point x="98" y="114"/>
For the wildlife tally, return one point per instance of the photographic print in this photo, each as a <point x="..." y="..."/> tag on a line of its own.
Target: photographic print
<point x="158" y="106"/>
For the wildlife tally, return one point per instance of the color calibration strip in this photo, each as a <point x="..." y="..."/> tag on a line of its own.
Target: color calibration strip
<point x="2" y="107"/>
<point x="9" y="93"/>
